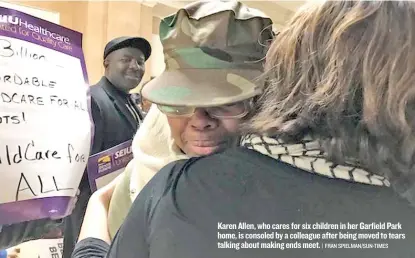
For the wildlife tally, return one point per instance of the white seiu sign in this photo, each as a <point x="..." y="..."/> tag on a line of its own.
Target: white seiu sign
<point x="42" y="248"/>
<point x="44" y="120"/>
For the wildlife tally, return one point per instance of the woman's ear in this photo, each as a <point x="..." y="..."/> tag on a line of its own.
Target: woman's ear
<point x="105" y="63"/>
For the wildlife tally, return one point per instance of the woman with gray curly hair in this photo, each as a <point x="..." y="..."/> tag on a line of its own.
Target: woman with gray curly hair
<point x="327" y="166"/>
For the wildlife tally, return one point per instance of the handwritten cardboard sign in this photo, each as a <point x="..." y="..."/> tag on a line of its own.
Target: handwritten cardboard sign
<point x="45" y="124"/>
<point x="105" y="166"/>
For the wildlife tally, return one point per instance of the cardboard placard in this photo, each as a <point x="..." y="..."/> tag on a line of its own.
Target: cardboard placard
<point x="105" y="166"/>
<point x="45" y="122"/>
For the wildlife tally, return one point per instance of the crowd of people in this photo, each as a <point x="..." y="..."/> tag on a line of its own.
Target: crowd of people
<point x="308" y="125"/>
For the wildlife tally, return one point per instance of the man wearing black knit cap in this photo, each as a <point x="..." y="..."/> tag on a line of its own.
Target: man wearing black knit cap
<point x="115" y="116"/>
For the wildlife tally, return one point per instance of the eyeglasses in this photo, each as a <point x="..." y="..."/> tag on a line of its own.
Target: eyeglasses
<point x="235" y="110"/>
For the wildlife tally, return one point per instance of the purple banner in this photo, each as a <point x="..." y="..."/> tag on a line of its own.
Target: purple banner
<point x="40" y="194"/>
<point x="23" y="26"/>
<point x="103" y="167"/>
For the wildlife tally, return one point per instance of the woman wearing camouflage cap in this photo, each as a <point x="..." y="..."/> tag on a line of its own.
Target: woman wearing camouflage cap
<point x="329" y="169"/>
<point x="213" y="53"/>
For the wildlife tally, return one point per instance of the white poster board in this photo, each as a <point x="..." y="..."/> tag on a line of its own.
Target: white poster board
<point x="47" y="86"/>
<point x="45" y="124"/>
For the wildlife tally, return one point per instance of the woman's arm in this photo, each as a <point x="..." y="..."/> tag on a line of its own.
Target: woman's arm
<point x="95" y="222"/>
<point x="94" y="239"/>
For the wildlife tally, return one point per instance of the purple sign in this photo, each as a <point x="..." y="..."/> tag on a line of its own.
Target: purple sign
<point x="105" y="166"/>
<point x="45" y="119"/>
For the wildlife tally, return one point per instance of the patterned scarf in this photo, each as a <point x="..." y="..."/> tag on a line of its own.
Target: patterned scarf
<point x="308" y="155"/>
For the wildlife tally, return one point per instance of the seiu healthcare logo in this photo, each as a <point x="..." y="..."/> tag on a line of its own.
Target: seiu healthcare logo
<point x="104" y="163"/>
<point x="14" y="20"/>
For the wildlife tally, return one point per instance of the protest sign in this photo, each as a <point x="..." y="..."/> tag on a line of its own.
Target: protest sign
<point x="41" y="248"/>
<point x="105" y="166"/>
<point x="45" y="124"/>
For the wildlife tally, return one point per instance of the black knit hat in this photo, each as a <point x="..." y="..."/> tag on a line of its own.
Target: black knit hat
<point x="123" y="42"/>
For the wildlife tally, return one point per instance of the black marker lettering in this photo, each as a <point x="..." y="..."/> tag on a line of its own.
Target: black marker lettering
<point x="78" y="105"/>
<point x="8" y="155"/>
<point x="18" y="80"/>
<point x="7" y="78"/>
<point x="6" y="98"/>
<point x="31" y="98"/>
<point x="60" y="189"/>
<point x="69" y="152"/>
<point x="22" y="177"/>
<point x="27" y="149"/>
<point x="39" y="155"/>
<point x="5" y="48"/>
<point x="15" y="120"/>
<point x="16" y="95"/>
<point x="26" y="81"/>
<point x="41" y="186"/>
<point x="77" y="157"/>
<point x="8" y="119"/>
<point x="17" y="158"/>
<point x="22" y="99"/>
<point x="35" y="81"/>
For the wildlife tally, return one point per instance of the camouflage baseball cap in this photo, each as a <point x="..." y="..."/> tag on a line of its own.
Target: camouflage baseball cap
<point x="214" y="52"/>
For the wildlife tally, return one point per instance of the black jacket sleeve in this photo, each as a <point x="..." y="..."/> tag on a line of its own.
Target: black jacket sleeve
<point x="99" y="127"/>
<point x="90" y="248"/>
